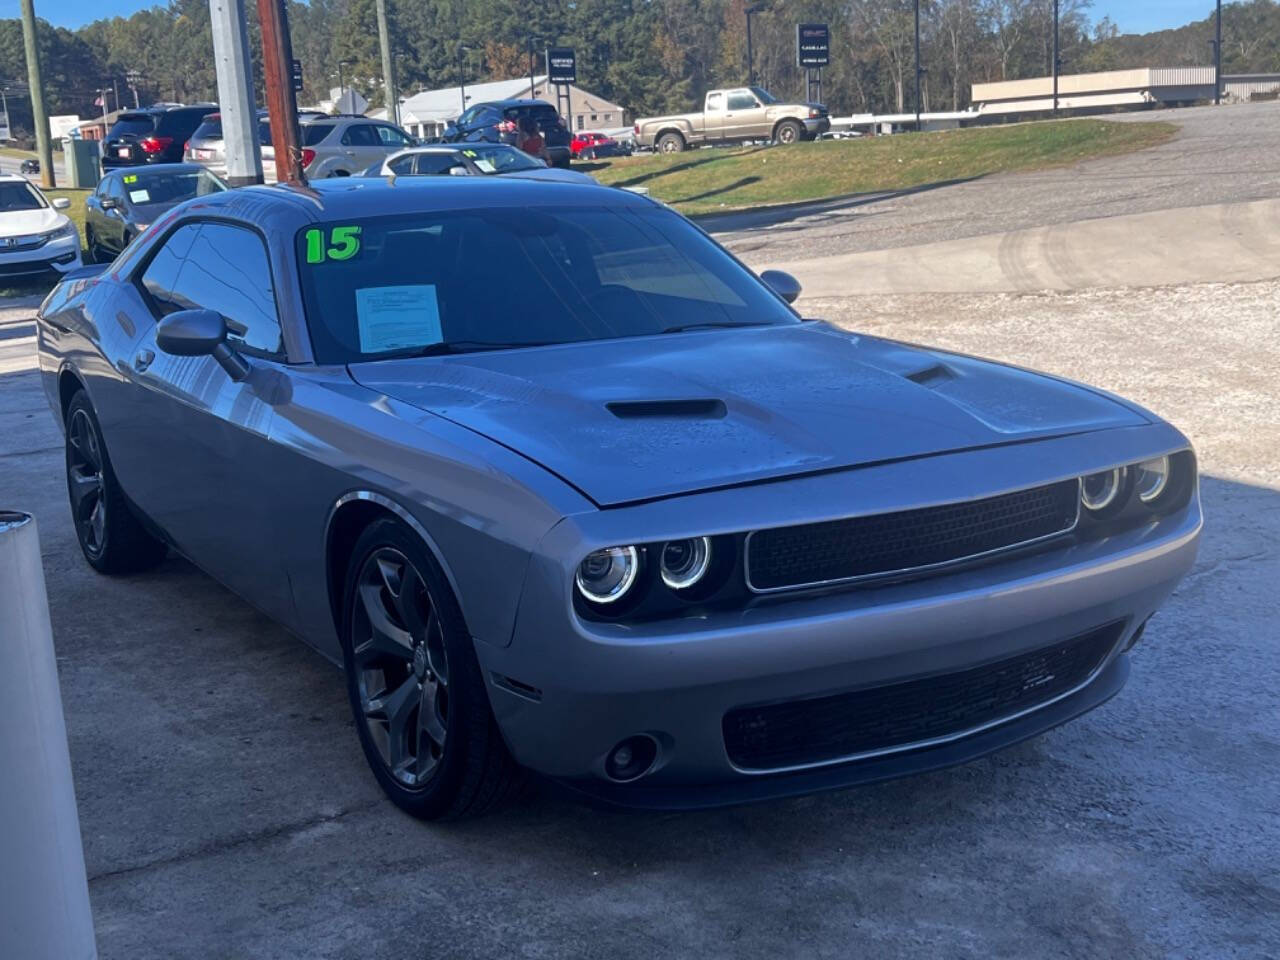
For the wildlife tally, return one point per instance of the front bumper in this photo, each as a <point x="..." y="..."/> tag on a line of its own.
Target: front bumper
<point x="567" y="691"/>
<point x="52" y="259"/>
<point x="816" y="126"/>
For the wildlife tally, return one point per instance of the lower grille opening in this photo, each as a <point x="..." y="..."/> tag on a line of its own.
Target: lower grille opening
<point x="899" y="715"/>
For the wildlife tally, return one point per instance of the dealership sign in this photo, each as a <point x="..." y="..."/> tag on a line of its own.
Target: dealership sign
<point x="813" y="45"/>
<point x="561" y="65"/>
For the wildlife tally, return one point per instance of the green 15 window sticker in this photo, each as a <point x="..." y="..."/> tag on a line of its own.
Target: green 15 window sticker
<point x="344" y="243"/>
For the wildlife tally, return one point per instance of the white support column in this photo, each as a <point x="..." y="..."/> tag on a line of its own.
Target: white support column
<point x="235" y="92"/>
<point x="44" y="896"/>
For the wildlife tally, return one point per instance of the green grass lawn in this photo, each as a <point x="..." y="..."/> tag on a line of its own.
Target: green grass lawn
<point x="720" y="179"/>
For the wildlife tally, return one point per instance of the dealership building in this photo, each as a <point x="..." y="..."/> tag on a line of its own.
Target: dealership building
<point x="427" y="113"/>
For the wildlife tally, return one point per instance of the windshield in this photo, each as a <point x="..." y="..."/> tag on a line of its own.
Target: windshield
<point x="132" y="125"/>
<point x="500" y="158"/>
<point x="405" y="285"/>
<point x="170" y="187"/>
<point x="764" y="96"/>
<point x="19" y="196"/>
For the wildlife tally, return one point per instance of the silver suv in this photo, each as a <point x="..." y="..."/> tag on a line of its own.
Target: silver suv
<point x="332" y="146"/>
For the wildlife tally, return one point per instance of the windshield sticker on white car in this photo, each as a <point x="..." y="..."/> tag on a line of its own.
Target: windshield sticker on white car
<point x="139" y="196"/>
<point x="397" y="318"/>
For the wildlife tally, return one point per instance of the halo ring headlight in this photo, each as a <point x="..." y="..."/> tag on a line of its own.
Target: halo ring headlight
<point x="1153" y="479"/>
<point x="1099" y="490"/>
<point x="685" y="562"/>
<point x="606" y="576"/>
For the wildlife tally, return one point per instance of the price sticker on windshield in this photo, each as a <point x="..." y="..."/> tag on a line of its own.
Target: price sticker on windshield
<point x="343" y="244"/>
<point x="131" y="178"/>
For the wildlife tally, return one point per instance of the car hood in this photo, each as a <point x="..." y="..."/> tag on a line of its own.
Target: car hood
<point x="648" y="417"/>
<point x="17" y="223"/>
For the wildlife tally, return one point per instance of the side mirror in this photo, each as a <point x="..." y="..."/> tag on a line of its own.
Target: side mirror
<point x="200" y="333"/>
<point x="107" y="203"/>
<point x="783" y="284"/>
<point x="61" y="203"/>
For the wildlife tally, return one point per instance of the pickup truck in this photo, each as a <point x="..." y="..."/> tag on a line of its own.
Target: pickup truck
<point x="733" y="116"/>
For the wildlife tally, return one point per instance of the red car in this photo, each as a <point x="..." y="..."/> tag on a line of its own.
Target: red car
<point x="587" y="145"/>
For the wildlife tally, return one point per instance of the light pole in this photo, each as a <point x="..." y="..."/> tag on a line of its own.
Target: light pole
<point x="1217" y="56"/>
<point x="918" y="71"/>
<point x="532" y="41"/>
<point x="342" y="81"/>
<point x="133" y="76"/>
<point x="751" y="68"/>
<point x="462" y="73"/>
<point x="1056" y="62"/>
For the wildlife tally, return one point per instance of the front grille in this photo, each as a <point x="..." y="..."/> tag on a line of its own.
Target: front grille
<point x="900" y="715"/>
<point x="893" y="543"/>
<point x="22" y="244"/>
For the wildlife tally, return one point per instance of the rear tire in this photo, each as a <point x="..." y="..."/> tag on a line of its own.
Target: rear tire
<point x="670" y="143"/>
<point x="112" y="539"/>
<point x="415" y="687"/>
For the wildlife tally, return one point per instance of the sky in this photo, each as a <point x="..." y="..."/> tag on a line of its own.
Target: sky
<point x="1132" y="16"/>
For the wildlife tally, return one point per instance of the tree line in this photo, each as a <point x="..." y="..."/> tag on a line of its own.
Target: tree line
<point x="648" y="55"/>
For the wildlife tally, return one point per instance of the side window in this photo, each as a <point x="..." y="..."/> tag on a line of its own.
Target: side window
<point x="360" y="135"/>
<point x="741" y="100"/>
<point x="391" y="137"/>
<point x="226" y="270"/>
<point x="160" y="279"/>
<point x="402" y="165"/>
<point x="715" y="101"/>
<point x="436" y="163"/>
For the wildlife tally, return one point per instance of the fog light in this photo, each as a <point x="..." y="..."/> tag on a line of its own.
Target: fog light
<point x="631" y="759"/>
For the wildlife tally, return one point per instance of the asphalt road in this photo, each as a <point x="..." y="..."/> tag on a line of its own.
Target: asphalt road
<point x="226" y="810"/>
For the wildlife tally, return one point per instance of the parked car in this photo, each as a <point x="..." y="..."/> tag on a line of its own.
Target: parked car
<point x="734" y="116"/>
<point x="29" y="166"/>
<point x="206" y="147"/>
<point x="495" y="121"/>
<point x="37" y="239"/>
<point x="473" y="159"/>
<point x="346" y="145"/>
<point x="151" y="135"/>
<point x="667" y="542"/>
<point x="588" y="145"/>
<point x="126" y="202"/>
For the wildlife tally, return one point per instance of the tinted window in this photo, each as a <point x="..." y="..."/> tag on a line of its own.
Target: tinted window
<point x="264" y="133"/>
<point x="226" y="270"/>
<point x="395" y="285"/>
<point x="500" y="158"/>
<point x="313" y="133"/>
<point x="360" y="135"/>
<point x="180" y="123"/>
<point x="210" y="129"/>
<point x="391" y="137"/>
<point x="432" y="164"/>
<point x="399" y="166"/>
<point x="482" y="115"/>
<point x="161" y="276"/>
<point x="742" y="101"/>
<point x="132" y="125"/>
<point x="172" y="186"/>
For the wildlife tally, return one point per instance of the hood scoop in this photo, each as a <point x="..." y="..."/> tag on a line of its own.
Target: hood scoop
<point x="931" y="376"/>
<point x="690" y="409"/>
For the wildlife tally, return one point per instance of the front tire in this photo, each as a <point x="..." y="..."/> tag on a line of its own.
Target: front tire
<point x="112" y="539"/>
<point x="789" y="131"/>
<point x="417" y="695"/>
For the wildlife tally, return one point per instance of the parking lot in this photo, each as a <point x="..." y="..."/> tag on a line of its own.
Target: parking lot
<point x="227" y="811"/>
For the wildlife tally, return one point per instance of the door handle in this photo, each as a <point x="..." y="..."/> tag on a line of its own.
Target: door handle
<point x="143" y="360"/>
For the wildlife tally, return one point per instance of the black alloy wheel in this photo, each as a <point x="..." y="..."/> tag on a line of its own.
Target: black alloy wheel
<point x="417" y="694"/>
<point x="401" y="668"/>
<point x="85" y="483"/>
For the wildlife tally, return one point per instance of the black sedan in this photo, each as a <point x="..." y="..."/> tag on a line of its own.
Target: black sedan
<point x="30" y="165"/>
<point x="129" y="200"/>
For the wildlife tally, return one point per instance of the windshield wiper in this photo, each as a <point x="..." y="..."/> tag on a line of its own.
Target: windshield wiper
<point x="710" y="325"/>
<point x="474" y="346"/>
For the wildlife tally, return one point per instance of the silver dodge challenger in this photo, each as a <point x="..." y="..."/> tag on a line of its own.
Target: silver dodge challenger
<point x="565" y="488"/>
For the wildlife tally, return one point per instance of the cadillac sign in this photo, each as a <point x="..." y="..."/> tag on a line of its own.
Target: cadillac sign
<point x="813" y="45"/>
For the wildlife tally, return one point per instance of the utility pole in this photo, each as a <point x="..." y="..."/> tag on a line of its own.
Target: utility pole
<point x="388" y="72"/>
<point x="1217" y="56"/>
<point x="751" y="67"/>
<point x="132" y="77"/>
<point x="235" y="92"/>
<point x="44" y="148"/>
<point x="462" y="74"/>
<point x="277" y="74"/>
<point x="917" y="66"/>
<point x="342" y="81"/>
<point x="1056" y="59"/>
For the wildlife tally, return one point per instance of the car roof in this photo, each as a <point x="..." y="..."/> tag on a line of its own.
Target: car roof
<point x="147" y="169"/>
<point x="285" y="209"/>
<point x="10" y="177"/>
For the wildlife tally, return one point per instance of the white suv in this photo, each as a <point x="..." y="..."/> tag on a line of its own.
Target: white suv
<point x="345" y="146"/>
<point x="37" y="239"/>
